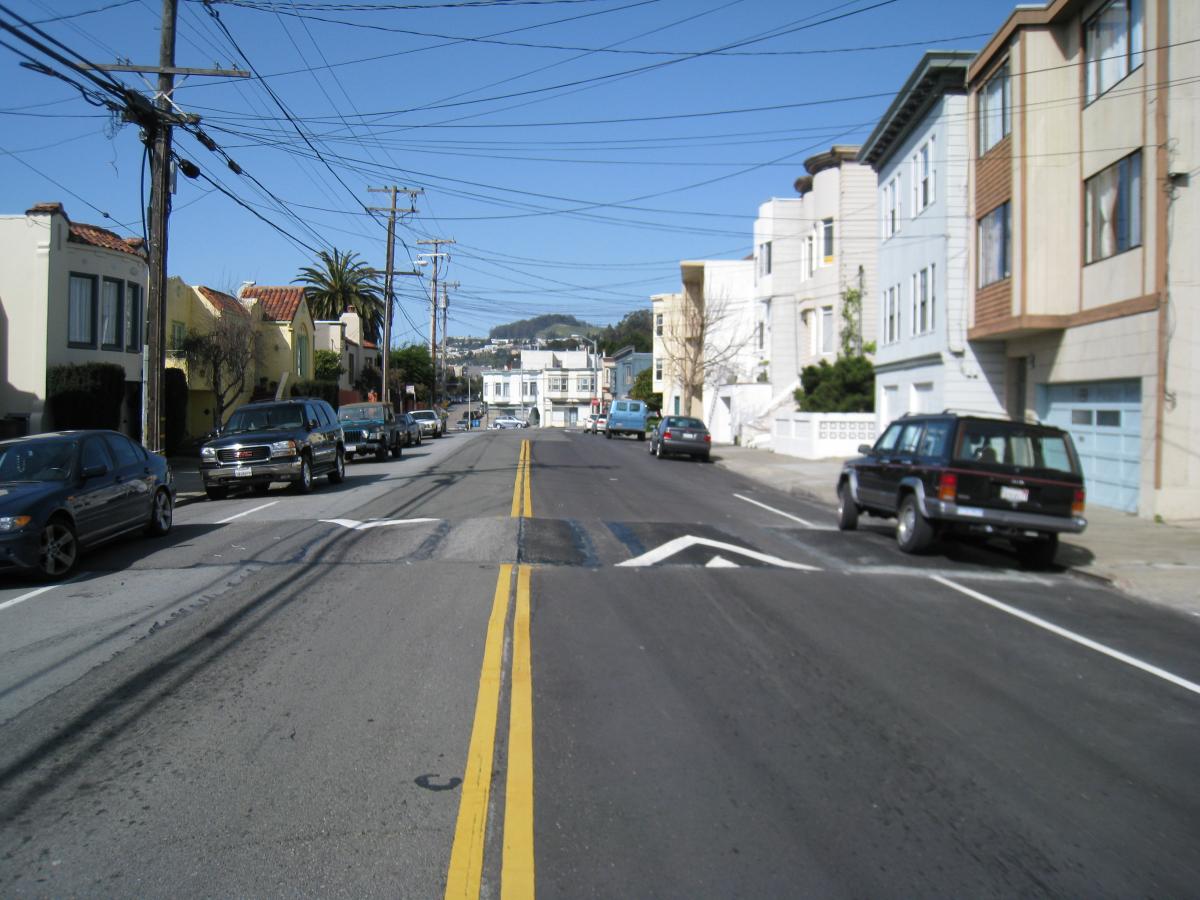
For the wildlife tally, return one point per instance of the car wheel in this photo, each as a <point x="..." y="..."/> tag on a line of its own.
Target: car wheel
<point x="913" y="531"/>
<point x="847" y="518"/>
<point x="338" y="475"/>
<point x="659" y="452"/>
<point x="397" y="449"/>
<point x="305" y="484"/>
<point x="641" y="435"/>
<point x="608" y="434"/>
<point x="162" y="513"/>
<point x="381" y="454"/>
<point x="58" y="550"/>
<point x="216" y="493"/>
<point x="1038" y="554"/>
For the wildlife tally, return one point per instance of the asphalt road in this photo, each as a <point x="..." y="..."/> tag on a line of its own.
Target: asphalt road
<point x="544" y="660"/>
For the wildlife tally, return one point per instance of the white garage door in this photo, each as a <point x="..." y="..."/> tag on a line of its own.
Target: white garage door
<point x="1105" y="422"/>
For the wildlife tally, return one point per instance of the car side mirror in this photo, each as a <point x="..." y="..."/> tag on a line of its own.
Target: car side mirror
<point x="866" y="449"/>
<point x="94" y="471"/>
<point x="312" y="424"/>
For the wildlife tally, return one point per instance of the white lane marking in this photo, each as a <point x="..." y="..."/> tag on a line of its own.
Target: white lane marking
<point x="1011" y="576"/>
<point x="1072" y="636"/>
<point x="15" y="600"/>
<point x="355" y="525"/>
<point x="778" y="512"/>
<point x="670" y="548"/>
<point x="720" y="562"/>
<point x="247" y="512"/>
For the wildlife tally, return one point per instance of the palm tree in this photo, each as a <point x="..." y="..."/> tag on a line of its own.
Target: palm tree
<point x="340" y="281"/>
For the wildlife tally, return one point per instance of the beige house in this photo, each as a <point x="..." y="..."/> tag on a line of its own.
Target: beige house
<point x="70" y="293"/>
<point x="670" y="318"/>
<point x="194" y="308"/>
<point x="344" y="336"/>
<point x="288" y="334"/>
<point x="1083" y="258"/>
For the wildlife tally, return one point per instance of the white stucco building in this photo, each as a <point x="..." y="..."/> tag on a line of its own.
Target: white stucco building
<point x="924" y="361"/>
<point x="552" y="388"/>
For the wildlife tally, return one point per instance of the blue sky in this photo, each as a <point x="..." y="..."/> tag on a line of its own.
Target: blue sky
<point x="575" y="150"/>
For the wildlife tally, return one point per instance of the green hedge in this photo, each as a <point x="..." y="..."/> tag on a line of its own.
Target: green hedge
<point x="326" y="390"/>
<point x="85" y="396"/>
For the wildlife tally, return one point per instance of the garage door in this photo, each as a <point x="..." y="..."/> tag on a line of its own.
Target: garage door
<point x="1105" y="422"/>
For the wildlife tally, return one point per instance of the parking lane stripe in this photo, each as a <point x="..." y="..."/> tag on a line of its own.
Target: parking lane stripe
<point x="779" y="512"/>
<point x="528" y="513"/>
<point x="516" y="500"/>
<point x="247" y="512"/>
<point x="29" y="596"/>
<point x="466" y="855"/>
<point x="516" y="868"/>
<point x="1072" y="636"/>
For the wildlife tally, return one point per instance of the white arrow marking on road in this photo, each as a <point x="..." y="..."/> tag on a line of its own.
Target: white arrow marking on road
<point x="670" y="548"/>
<point x="355" y="525"/>
<point x="720" y="562"/>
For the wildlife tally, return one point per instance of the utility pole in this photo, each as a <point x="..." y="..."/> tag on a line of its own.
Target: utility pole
<point x="445" y="315"/>
<point x="436" y="243"/>
<point x="384" y="390"/>
<point x="156" y="127"/>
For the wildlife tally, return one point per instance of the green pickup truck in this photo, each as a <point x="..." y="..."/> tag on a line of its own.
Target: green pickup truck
<point x="370" y="428"/>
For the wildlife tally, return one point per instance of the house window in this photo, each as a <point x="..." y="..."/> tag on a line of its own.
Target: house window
<point x="658" y="324"/>
<point x="658" y="370"/>
<point x="826" y="329"/>
<point x="995" y="113"/>
<point x="301" y="354"/>
<point x="761" y="330"/>
<point x="112" y="296"/>
<point x="556" y="383"/>
<point x="811" y="251"/>
<point x="764" y="258"/>
<point x="891" y="315"/>
<point x="1113" y="45"/>
<point x="922" y="308"/>
<point x="994" y="243"/>
<point x="133" y="317"/>
<point x="81" y="311"/>
<point x="891" y="207"/>
<point x="827" y="239"/>
<point x="922" y="175"/>
<point x="586" y="384"/>
<point x="350" y="367"/>
<point x="1114" y="209"/>
<point x="178" y="336"/>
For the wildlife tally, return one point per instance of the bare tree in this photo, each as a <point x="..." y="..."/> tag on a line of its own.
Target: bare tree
<point x="701" y="343"/>
<point x="226" y="357"/>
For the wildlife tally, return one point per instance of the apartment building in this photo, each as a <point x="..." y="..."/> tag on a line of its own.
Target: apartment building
<point x="924" y="360"/>
<point x="552" y="388"/>
<point x="1083" y="262"/>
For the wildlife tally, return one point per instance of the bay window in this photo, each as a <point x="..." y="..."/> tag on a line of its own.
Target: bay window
<point x="1113" y="45"/>
<point x="1113" y="216"/>
<point x="994" y="246"/>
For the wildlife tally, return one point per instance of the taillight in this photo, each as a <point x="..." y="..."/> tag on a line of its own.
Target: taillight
<point x="667" y="435"/>
<point x="1077" y="503"/>
<point x="948" y="487"/>
<point x="708" y="439"/>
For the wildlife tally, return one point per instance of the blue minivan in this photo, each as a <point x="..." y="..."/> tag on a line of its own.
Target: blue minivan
<point x="626" y="417"/>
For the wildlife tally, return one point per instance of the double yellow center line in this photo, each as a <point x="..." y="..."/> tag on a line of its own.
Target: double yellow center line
<point x="466" y="857"/>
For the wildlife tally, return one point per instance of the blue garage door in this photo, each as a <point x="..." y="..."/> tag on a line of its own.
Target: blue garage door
<point x="1105" y="422"/>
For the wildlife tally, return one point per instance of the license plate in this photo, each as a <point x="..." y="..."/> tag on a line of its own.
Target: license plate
<point x="242" y="472"/>
<point x="352" y="448"/>
<point x="689" y="437"/>
<point x="1014" y="495"/>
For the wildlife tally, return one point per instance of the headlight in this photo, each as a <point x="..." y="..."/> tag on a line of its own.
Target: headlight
<point x="13" y="523"/>
<point x="283" y="448"/>
<point x="374" y="435"/>
<point x="208" y="452"/>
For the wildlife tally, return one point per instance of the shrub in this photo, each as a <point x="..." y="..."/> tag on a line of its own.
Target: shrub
<point x="846" y="386"/>
<point x="326" y="390"/>
<point x="88" y="395"/>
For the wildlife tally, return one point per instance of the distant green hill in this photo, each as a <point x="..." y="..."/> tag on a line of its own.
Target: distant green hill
<point x="551" y="327"/>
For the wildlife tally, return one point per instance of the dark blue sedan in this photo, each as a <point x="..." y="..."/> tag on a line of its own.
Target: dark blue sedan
<point x="63" y="492"/>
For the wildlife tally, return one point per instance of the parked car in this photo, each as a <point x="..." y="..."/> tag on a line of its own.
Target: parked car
<point x="274" y="440"/>
<point x="681" y="435"/>
<point x="370" y="428"/>
<point x="64" y="492"/>
<point x="947" y="473"/>
<point x="598" y="424"/>
<point x="588" y="423"/>
<point x="508" y="422"/>
<point x="410" y="429"/>
<point x="626" y="417"/>
<point x="432" y="424"/>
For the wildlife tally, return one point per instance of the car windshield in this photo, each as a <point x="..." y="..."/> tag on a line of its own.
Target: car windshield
<point x="38" y="460"/>
<point x="684" y="422"/>
<point x="265" y="418"/>
<point x="998" y="443"/>
<point x="355" y="413"/>
<point x="424" y="414"/>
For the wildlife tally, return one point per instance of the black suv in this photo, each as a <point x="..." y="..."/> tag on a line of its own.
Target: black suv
<point x="274" y="440"/>
<point x="942" y="473"/>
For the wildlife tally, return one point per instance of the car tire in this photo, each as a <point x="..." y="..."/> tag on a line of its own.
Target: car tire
<point x="608" y="434"/>
<point x="1038" y="554"/>
<point x="381" y="454"/>
<point x="397" y="449"/>
<point x="305" y="484"/>
<point x="58" y="550"/>
<point x="338" y="475"/>
<point x="659" y="452"/>
<point x="641" y="435"/>
<point x="914" y="534"/>
<point x="847" y="516"/>
<point x="216" y="493"/>
<point x="162" y="514"/>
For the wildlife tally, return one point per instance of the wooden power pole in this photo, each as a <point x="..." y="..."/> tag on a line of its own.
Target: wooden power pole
<point x="445" y="316"/>
<point x="437" y="254"/>
<point x="385" y="391"/>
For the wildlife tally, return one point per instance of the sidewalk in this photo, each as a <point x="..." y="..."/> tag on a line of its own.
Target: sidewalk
<point x="1152" y="561"/>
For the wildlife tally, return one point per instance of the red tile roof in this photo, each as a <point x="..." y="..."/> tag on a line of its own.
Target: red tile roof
<point x="223" y="302"/>
<point x="92" y="235"/>
<point x="279" y="304"/>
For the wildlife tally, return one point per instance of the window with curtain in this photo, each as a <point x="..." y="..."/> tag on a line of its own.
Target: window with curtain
<point x="994" y="238"/>
<point x="827" y="239"/>
<point x="1113" y="200"/>
<point x="111" y="320"/>
<point x="826" y="329"/>
<point x="81" y="311"/>
<point x="995" y="115"/>
<point x="1113" y="45"/>
<point x="133" y="317"/>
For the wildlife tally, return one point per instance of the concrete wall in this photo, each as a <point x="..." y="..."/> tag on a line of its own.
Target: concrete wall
<point x="822" y="435"/>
